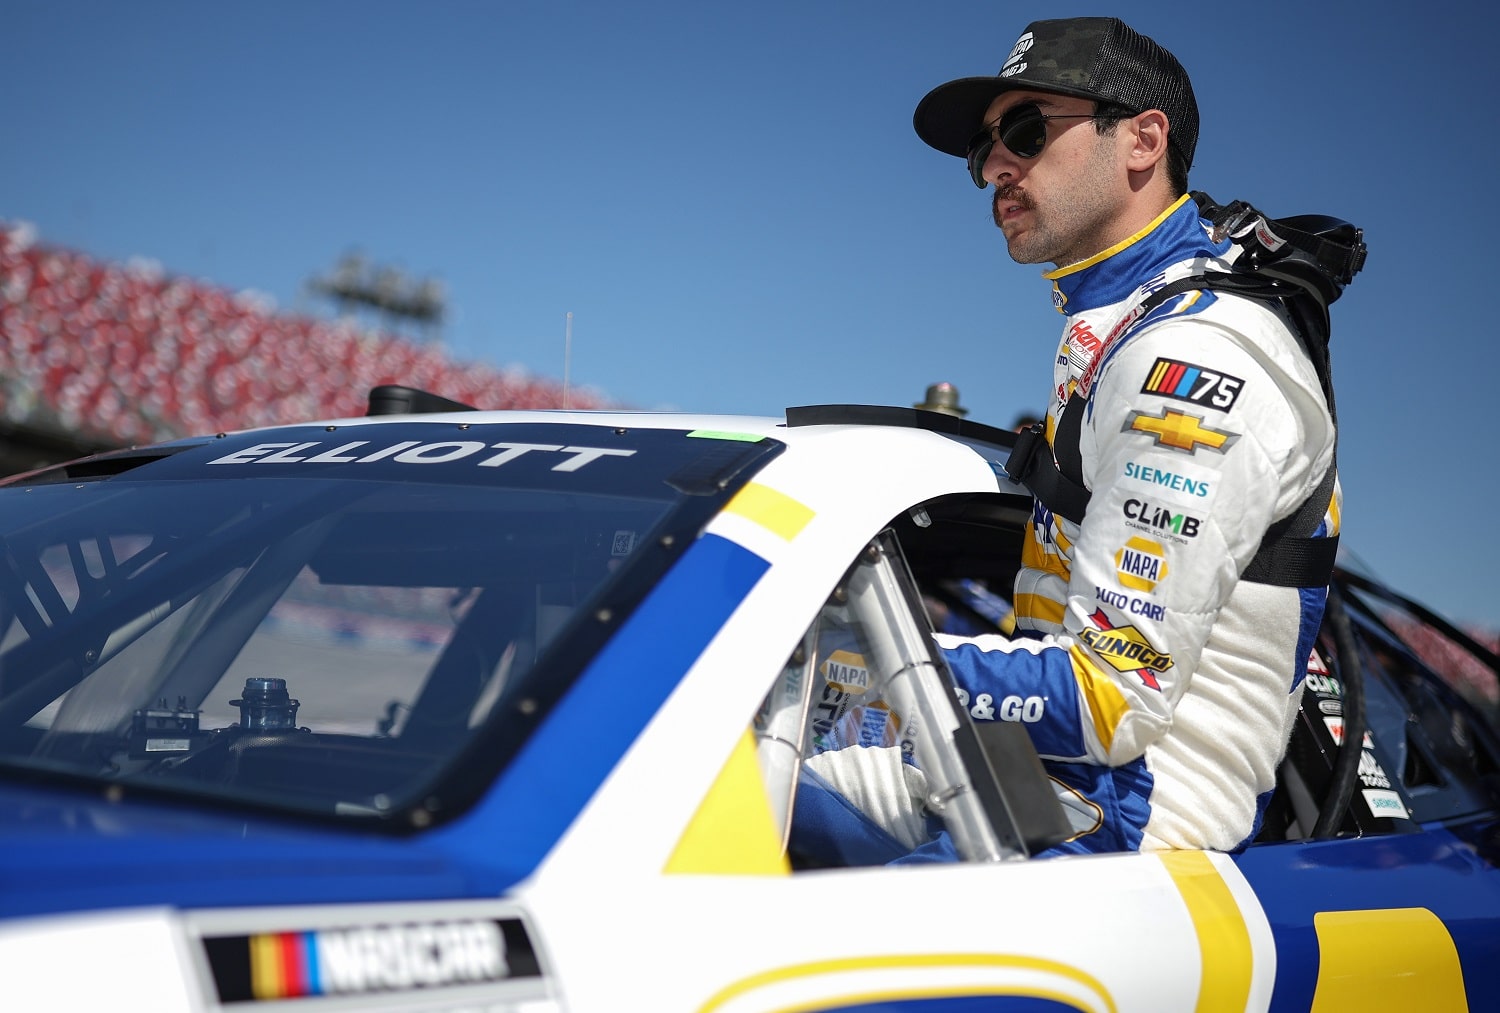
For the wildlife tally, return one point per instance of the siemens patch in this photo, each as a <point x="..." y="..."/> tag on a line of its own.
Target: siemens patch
<point x="1187" y="382"/>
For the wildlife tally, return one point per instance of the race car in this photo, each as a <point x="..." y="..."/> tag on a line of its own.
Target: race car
<point x="444" y="709"/>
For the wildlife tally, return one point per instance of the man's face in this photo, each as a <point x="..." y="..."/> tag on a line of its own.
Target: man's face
<point x="1059" y="206"/>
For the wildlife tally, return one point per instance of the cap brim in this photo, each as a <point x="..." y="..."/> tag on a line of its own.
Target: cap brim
<point x="951" y="114"/>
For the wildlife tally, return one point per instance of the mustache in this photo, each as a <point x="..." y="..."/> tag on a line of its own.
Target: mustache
<point x="1010" y="193"/>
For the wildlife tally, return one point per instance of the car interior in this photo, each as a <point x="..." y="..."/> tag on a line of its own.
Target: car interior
<point x="1430" y="743"/>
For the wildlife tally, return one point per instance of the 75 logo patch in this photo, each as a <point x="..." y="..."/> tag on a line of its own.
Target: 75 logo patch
<point x="1187" y="382"/>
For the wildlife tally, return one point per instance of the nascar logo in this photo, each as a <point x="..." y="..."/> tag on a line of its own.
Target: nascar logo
<point x="286" y="965"/>
<point x="1187" y="382"/>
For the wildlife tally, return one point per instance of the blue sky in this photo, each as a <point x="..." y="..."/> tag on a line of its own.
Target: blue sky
<point x="731" y="202"/>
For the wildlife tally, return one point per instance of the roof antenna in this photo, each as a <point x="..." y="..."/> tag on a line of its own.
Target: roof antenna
<point x="567" y="356"/>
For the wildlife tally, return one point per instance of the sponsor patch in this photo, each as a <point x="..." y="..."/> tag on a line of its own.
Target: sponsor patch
<point x="1144" y="515"/>
<point x="1130" y="604"/>
<point x="1386" y="804"/>
<point x="847" y="671"/>
<point x="1187" y="483"/>
<point x="1141" y="564"/>
<point x="1027" y="710"/>
<point x="370" y="959"/>
<point x="1195" y="384"/>
<point x="1179" y="431"/>
<point x="1125" y="649"/>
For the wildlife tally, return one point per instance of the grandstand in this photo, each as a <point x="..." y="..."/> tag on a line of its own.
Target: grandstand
<point x="97" y="355"/>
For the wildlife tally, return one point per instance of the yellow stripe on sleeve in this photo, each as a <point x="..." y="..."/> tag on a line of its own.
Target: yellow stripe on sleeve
<point x="1107" y="704"/>
<point x="1035" y="606"/>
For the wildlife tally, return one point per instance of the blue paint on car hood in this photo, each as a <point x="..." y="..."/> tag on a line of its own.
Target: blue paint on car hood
<point x="69" y="850"/>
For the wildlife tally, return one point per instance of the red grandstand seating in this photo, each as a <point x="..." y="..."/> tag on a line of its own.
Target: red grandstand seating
<point x="132" y="355"/>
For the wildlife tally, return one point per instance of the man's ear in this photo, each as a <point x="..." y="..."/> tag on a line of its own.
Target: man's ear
<point x="1149" y="131"/>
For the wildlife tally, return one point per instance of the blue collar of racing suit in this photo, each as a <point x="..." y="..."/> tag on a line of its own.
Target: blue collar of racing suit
<point x="1177" y="234"/>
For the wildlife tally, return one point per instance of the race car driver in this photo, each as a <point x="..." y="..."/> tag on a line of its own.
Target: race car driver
<point x="1160" y="681"/>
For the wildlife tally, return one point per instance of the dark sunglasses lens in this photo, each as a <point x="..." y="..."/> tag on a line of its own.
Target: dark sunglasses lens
<point x="1024" y="131"/>
<point x="979" y="150"/>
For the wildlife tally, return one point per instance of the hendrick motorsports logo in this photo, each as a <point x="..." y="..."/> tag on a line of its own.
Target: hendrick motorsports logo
<point x="1125" y="649"/>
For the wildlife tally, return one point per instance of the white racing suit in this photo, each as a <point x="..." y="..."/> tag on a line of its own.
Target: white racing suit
<point x="1161" y="688"/>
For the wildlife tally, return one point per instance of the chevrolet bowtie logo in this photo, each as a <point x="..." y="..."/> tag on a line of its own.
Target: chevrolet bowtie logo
<point x="1179" y="430"/>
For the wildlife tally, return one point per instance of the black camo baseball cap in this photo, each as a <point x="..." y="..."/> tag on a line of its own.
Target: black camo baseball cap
<point x="1096" y="58"/>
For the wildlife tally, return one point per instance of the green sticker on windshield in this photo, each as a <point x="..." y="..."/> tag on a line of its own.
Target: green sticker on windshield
<point x="714" y="434"/>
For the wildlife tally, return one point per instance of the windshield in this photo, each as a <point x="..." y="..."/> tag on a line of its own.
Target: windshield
<point x="327" y="622"/>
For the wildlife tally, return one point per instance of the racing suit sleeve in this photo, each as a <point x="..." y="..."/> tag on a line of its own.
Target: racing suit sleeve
<point x="1198" y="437"/>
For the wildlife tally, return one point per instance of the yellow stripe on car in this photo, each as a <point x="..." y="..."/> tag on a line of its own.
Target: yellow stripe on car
<point x="775" y="511"/>
<point x="1072" y="984"/>
<point x="1224" y="947"/>
<point x="1387" y="959"/>
<point x="733" y="832"/>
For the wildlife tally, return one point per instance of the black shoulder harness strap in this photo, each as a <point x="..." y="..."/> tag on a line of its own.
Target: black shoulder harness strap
<point x="1302" y="265"/>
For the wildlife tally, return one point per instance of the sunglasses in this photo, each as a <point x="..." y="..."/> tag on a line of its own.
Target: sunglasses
<point x="1023" y="131"/>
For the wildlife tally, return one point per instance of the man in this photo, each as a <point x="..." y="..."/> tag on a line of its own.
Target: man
<point x="1170" y="676"/>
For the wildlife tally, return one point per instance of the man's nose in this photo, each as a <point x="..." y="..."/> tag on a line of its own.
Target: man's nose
<point x="1000" y="166"/>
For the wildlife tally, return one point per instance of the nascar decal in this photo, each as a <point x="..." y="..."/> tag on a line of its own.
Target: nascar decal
<point x="1125" y="649"/>
<point x="1187" y="382"/>
<point x="1179" y="431"/>
<point x="1140" y="564"/>
<point x="368" y="959"/>
<point x="415" y="452"/>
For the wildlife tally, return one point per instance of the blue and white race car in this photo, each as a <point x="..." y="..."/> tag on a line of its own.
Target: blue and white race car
<point x="527" y="711"/>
